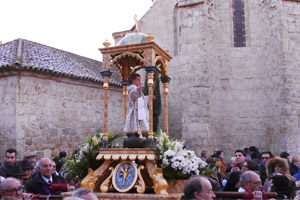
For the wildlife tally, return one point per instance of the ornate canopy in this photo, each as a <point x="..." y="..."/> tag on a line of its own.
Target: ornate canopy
<point x="134" y="52"/>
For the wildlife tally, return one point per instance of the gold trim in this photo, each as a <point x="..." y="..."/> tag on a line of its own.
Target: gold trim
<point x="160" y="185"/>
<point x="105" y="184"/>
<point x="115" y="172"/>
<point x="141" y="187"/>
<point x="123" y="55"/>
<point x="89" y="180"/>
<point x="106" y="44"/>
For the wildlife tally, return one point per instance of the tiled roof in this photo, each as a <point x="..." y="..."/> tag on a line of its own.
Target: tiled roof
<point x="30" y="55"/>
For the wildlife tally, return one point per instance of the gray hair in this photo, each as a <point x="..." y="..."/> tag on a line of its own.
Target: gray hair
<point x="6" y="182"/>
<point x="246" y="177"/>
<point x="39" y="164"/>
<point x="80" y="192"/>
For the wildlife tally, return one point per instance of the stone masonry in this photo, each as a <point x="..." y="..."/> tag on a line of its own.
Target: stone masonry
<point x="234" y="97"/>
<point x="50" y="114"/>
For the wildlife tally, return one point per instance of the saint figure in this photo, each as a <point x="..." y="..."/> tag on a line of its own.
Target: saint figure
<point x="137" y="116"/>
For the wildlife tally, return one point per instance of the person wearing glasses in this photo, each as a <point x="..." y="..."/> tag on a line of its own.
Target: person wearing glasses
<point x="265" y="156"/>
<point x="11" y="188"/>
<point x="250" y="182"/>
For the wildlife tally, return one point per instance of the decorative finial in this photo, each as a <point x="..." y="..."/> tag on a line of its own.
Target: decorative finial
<point x="136" y="24"/>
<point x="106" y="44"/>
<point x="149" y="37"/>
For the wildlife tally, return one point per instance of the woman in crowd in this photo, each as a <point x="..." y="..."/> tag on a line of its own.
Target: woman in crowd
<point x="220" y="162"/>
<point x="276" y="166"/>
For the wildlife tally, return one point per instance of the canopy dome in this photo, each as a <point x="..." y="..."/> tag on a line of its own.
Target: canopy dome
<point x="133" y="38"/>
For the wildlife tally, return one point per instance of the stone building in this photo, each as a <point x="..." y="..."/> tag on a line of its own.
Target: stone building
<point x="51" y="99"/>
<point x="235" y="71"/>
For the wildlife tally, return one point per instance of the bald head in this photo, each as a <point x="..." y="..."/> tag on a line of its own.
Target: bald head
<point x="11" y="188"/>
<point x="198" y="187"/>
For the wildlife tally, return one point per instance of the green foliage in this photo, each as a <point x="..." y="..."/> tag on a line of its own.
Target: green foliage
<point x="86" y="155"/>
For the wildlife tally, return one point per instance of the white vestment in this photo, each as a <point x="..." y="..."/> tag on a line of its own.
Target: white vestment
<point x="137" y="113"/>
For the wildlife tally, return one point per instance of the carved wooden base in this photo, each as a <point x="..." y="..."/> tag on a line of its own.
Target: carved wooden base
<point x="126" y="170"/>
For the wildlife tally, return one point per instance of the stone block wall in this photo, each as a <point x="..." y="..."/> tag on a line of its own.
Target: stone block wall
<point x="290" y="40"/>
<point x="228" y="97"/>
<point x="8" y="86"/>
<point x="53" y="114"/>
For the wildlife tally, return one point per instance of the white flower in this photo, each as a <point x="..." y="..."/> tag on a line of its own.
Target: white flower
<point x="194" y="167"/>
<point x="183" y="163"/>
<point x="188" y="168"/>
<point x="165" y="161"/>
<point x="188" y="162"/>
<point x="174" y="166"/>
<point x="169" y="153"/>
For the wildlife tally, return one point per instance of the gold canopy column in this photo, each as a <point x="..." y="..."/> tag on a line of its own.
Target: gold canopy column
<point x="125" y="95"/>
<point x="106" y="75"/>
<point x="165" y="80"/>
<point x="150" y="72"/>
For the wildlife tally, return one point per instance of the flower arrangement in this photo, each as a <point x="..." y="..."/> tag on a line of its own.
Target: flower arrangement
<point x="85" y="156"/>
<point x="178" y="162"/>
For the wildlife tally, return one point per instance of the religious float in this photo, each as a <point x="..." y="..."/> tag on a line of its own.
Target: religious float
<point x="142" y="172"/>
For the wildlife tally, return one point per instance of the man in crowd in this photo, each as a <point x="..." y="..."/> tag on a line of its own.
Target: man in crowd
<point x="85" y="194"/>
<point x="10" y="160"/>
<point x="31" y="157"/>
<point x="265" y="156"/>
<point x="240" y="157"/>
<point x="11" y="188"/>
<point x="43" y="182"/>
<point x="198" y="187"/>
<point x="250" y="182"/>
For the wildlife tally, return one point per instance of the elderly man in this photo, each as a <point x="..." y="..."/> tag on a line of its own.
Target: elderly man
<point x="31" y="157"/>
<point x="11" y="188"/>
<point x="10" y="160"/>
<point x="198" y="187"/>
<point x="85" y="194"/>
<point x="250" y="182"/>
<point x="44" y="182"/>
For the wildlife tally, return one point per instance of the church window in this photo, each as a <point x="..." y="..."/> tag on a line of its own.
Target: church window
<point x="239" y="23"/>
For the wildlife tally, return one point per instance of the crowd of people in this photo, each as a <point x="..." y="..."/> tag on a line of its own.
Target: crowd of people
<point x="255" y="173"/>
<point x="31" y="177"/>
<point x="249" y="171"/>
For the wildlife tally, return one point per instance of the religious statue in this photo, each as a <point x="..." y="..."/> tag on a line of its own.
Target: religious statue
<point x="137" y="116"/>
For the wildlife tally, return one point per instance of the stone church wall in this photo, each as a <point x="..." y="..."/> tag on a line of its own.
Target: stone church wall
<point x="8" y="86"/>
<point x="234" y="97"/>
<point x="55" y="113"/>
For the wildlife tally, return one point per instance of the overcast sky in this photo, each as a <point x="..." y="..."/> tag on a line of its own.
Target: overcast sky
<point x="77" y="26"/>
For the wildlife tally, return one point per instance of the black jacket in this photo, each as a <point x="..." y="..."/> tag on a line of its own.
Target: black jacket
<point x="293" y="169"/>
<point x="38" y="186"/>
<point x="5" y="169"/>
